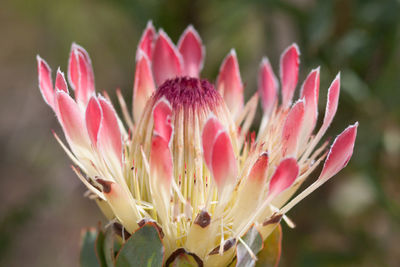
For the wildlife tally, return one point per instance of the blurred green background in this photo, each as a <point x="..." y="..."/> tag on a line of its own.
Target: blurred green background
<point x="353" y="220"/>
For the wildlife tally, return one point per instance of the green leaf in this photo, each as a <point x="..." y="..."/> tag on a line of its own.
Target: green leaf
<point x="254" y="242"/>
<point x="143" y="248"/>
<point x="271" y="253"/>
<point x="88" y="256"/>
<point x="99" y="248"/>
<point x="182" y="258"/>
<point x="109" y="247"/>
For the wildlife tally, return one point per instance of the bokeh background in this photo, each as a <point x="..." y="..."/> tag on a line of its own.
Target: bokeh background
<point x="353" y="220"/>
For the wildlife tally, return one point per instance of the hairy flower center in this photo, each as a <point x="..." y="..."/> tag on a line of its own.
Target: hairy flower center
<point x="189" y="92"/>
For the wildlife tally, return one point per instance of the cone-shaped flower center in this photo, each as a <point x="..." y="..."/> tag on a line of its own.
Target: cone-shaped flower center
<point x="189" y="92"/>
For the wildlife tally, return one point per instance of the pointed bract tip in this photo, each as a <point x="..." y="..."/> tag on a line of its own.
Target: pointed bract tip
<point x="295" y="46"/>
<point x="45" y="81"/>
<point x="264" y="61"/>
<point x="39" y="58"/>
<point x="149" y="28"/>
<point x="190" y="28"/>
<point x="61" y="83"/>
<point x="76" y="47"/>
<point x="162" y="33"/>
<point x="339" y="153"/>
<point x="317" y="69"/>
<point x="149" y="24"/>
<point x="288" y="49"/>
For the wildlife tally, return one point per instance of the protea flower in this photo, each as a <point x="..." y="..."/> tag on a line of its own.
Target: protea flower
<point x="185" y="159"/>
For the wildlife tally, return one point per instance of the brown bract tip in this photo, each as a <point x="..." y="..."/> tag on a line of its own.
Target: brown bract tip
<point x="105" y="184"/>
<point x="227" y="245"/>
<point x="203" y="219"/>
<point x="275" y="218"/>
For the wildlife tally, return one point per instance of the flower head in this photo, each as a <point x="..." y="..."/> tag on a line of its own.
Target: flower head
<point x="185" y="158"/>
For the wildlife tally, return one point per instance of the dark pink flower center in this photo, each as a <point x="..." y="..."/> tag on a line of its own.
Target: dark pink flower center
<point x="189" y="92"/>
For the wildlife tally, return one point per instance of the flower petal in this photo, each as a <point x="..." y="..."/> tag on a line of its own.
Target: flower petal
<point x="146" y="42"/>
<point x="93" y="119"/>
<point x="109" y="139"/>
<point x="310" y="92"/>
<point x="331" y="107"/>
<point x="161" y="167"/>
<point x="338" y="157"/>
<point x="332" y="103"/>
<point x="267" y="86"/>
<point x="258" y="172"/>
<point x="210" y="131"/>
<point x="167" y="61"/>
<point x="144" y="85"/>
<point x="161" y="175"/>
<point x="85" y="86"/>
<point x="192" y="50"/>
<point x="289" y="71"/>
<point x="61" y="83"/>
<point x="250" y="192"/>
<point x="73" y="67"/>
<point x="121" y="204"/>
<point x="340" y="152"/>
<point x="80" y="74"/>
<point x="162" y="113"/>
<point x="283" y="177"/>
<point x="45" y="81"/>
<point x="229" y="83"/>
<point x="71" y="119"/>
<point x="223" y="162"/>
<point x="291" y="129"/>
